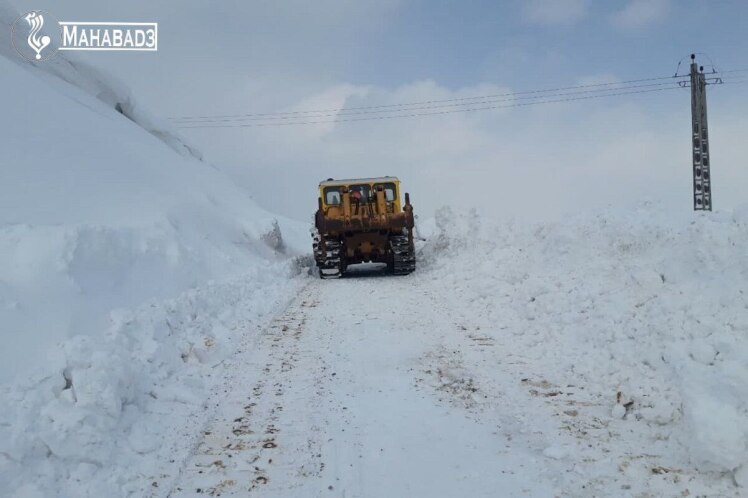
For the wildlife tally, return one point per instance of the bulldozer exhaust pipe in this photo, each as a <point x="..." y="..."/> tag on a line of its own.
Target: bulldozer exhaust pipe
<point x="409" y="226"/>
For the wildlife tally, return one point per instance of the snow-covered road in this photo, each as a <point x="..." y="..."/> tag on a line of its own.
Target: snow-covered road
<point x="515" y="365"/>
<point x="359" y="389"/>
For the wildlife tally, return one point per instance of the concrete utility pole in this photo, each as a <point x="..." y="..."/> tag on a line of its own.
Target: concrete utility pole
<point x="702" y="178"/>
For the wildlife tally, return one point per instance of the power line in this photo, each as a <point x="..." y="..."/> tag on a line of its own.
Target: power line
<point x="451" y="111"/>
<point x="424" y="102"/>
<point x="350" y="112"/>
<point x="432" y="113"/>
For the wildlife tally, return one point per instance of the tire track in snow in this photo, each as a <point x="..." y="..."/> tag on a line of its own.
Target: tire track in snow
<point x="329" y="406"/>
<point x="254" y="443"/>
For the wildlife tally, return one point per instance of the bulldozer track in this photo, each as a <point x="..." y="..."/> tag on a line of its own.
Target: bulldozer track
<point x="328" y="255"/>
<point x="331" y="266"/>
<point x="403" y="255"/>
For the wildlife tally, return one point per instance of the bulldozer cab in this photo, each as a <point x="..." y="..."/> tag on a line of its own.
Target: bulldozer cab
<point x="359" y="197"/>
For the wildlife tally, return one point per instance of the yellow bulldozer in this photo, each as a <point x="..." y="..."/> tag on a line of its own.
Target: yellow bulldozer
<point x="360" y="221"/>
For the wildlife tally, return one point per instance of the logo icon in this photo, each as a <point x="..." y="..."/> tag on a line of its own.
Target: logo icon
<point x="36" y="21"/>
<point x="36" y="35"/>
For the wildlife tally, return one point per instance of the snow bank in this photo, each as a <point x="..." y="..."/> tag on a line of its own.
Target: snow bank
<point x="644" y="303"/>
<point x="103" y="208"/>
<point x="108" y="410"/>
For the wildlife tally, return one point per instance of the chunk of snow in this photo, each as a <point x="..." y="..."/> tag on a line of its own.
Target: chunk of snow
<point x="556" y="452"/>
<point x="619" y="411"/>
<point x="703" y="352"/>
<point x="741" y="476"/>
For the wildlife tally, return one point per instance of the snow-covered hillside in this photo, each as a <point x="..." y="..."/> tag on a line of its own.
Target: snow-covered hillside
<point x="97" y="212"/>
<point x="103" y="209"/>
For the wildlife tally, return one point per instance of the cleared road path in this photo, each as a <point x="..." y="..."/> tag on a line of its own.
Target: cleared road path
<point x="365" y="387"/>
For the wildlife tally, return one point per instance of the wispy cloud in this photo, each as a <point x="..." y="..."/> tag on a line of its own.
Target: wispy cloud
<point x="553" y="12"/>
<point x="640" y="13"/>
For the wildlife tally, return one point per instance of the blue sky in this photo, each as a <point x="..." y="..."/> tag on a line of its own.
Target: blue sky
<point x="459" y="43"/>
<point x="279" y="55"/>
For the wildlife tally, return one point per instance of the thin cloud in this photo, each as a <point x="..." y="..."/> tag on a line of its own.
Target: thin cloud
<point x="641" y="13"/>
<point x="554" y="12"/>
